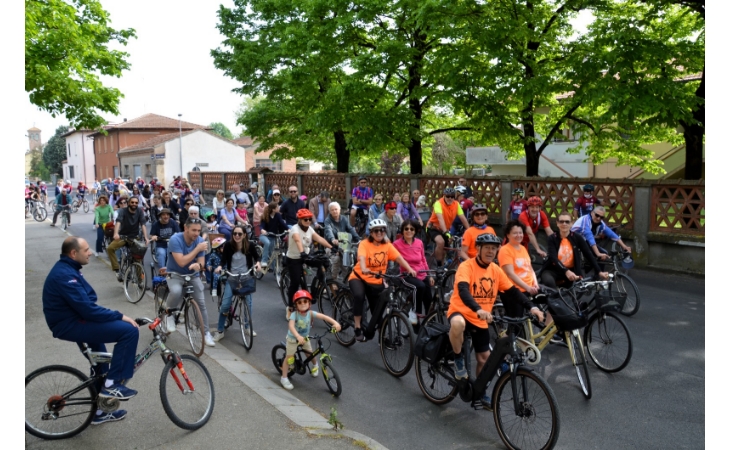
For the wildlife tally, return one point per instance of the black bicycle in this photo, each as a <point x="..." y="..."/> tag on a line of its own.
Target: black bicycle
<point x="302" y="360"/>
<point x="320" y="286"/>
<point x="239" y="309"/>
<point x="60" y="401"/>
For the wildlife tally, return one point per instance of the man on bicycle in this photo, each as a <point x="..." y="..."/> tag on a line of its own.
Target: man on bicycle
<point x="81" y="191"/>
<point x="161" y="232"/>
<point x="592" y="225"/>
<point x="478" y="281"/>
<point x="72" y="314"/>
<point x="63" y="200"/>
<point x="362" y="198"/>
<point x="128" y="222"/>
<point x="534" y="219"/>
<point x="186" y="256"/>
<point x="445" y="211"/>
<point x="334" y="224"/>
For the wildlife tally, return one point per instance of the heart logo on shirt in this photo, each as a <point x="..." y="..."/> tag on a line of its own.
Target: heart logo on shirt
<point x="377" y="260"/>
<point x="485" y="288"/>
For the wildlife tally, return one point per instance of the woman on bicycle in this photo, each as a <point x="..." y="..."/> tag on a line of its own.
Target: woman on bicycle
<point x="137" y="194"/>
<point x="515" y="260"/>
<point x="480" y="225"/>
<point x="147" y="193"/>
<point x="271" y="223"/>
<point x="301" y="237"/>
<point x="373" y="255"/>
<point x="229" y="218"/>
<point x="411" y="249"/>
<point x="375" y="210"/>
<point x="239" y="256"/>
<point x="103" y="214"/>
<point x="407" y="209"/>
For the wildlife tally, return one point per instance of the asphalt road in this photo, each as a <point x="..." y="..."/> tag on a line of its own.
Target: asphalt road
<point x="657" y="401"/>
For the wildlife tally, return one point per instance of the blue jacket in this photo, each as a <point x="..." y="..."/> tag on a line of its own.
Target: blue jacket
<point x="68" y="299"/>
<point x="69" y="200"/>
<point x="583" y="227"/>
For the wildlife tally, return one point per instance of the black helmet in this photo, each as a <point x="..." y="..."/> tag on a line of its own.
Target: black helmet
<point x="518" y="191"/>
<point x="488" y="238"/>
<point x="588" y="187"/>
<point x="478" y="207"/>
<point x="449" y="191"/>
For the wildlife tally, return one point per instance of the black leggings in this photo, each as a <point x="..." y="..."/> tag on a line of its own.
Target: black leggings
<point x="296" y="269"/>
<point x="423" y="293"/>
<point x="360" y="290"/>
<point x="553" y="278"/>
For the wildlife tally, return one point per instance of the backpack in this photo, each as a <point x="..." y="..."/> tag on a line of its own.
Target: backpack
<point x="431" y="342"/>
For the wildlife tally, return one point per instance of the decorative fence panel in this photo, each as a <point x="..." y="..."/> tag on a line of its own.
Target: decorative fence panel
<point x="313" y="184"/>
<point x="678" y="209"/>
<point x="387" y="185"/>
<point x="488" y="192"/>
<point x="283" y="180"/>
<point x="433" y="188"/>
<point x="212" y="181"/>
<point x="239" y="178"/>
<point x="194" y="177"/>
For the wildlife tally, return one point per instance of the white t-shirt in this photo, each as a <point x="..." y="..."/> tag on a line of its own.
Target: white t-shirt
<point x="306" y="237"/>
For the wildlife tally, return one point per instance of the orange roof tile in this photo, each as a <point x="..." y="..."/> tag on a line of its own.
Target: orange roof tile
<point x="154" y="142"/>
<point x="243" y="141"/>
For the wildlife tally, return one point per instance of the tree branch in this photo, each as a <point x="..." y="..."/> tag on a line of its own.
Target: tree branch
<point x="556" y="127"/>
<point x="584" y="122"/>
<point x="443" y="130"/>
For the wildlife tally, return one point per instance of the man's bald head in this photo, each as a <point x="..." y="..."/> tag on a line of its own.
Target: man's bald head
<point x="77" y="249"/>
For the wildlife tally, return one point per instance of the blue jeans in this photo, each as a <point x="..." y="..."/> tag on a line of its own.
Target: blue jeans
<point x="226" y="306"/>
<point x="161" y="254"/>
<point x="267" y="243"/>
<point x="99" y="238"/>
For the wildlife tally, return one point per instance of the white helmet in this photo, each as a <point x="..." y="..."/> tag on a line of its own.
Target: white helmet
<point x="378" y="223"/>
<point x="460" y="189"/>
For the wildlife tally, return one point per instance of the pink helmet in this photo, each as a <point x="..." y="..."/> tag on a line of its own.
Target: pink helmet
<point x="217" y="242"/>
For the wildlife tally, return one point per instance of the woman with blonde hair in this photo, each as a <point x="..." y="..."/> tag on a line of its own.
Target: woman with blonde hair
<point x="219" y="202"/>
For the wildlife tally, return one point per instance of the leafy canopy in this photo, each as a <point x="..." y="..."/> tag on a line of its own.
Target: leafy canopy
<point x="221" y="130"/>
<point x="54" y="153"/>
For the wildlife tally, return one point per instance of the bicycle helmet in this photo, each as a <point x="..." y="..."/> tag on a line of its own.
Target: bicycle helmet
<point x="518" y="191"/>
<point x="449" y="191"/>
<point x="377" y="223"/>
<point x="302" y="294"/>
<point x="217" y="242"/>
<point x="304" y="213"/>
<point x="460" y="189"/>
<point x="534" y="201"/>
<point x="588" y="188"/>
<point x="488" y="238"/>
<point x="478" y="207"/>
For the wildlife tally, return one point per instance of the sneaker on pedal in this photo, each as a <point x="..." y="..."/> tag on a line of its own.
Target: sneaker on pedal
<point x="118" y="391"/>
<point x="460" y="368"/>
<point x="209" y="340"/>
<point x="486" y="402"/>
<point x="109" y="417"/>
<point x="413" y="317"/>
<point x="315" y="371"/>
<point x="264" y="265"/>
<point x="359" y="337"/>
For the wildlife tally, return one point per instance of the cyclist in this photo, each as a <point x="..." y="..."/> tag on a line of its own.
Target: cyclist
<point x="592" y="225"/>
<point x="103" y="214"/>
<point x="477" y="282"/>
<point x="73" y="314"/>
<point x="445" y="211"/>
<point x="584" y="205"/>
<point x="534" y="219"/>
<point x="518" y="204"/>
<point x="300" y="323"/>
<point x="301" y="236"/>
<point x="170" y="203"/>
<point x="228" y="218"/>
<point x="140" y="183"/>
<point x="156" y="208"/>
<point x="128" y="223"/>
<point x="44" y="191"/>
<point x="392" y="220"/>
<point x="27" y="198"/>
<point x="271" y="222"/>
<point x="373" y="255"/>
<point x="270" y="194"/>
<point x="362" y="198"/>
<point x="407" y="209"/>
<point x="320" y="208"/>
<point x="63" y="200"/>
<point x="258" y="210"/>
<point x="411" y="249"/>
<point x="161" y="232"/>
<point x="291" y="206"/>
<point x="239" y="256"/>
<point x="333" y="224"/>
<point x="219" y="201"/>
<point x="480" y="225"/>
<point x="81" y="190"/>
<point x="466" y="189"/>
<point x="515" y="261"/>
<point x="375" y="210"/>
<point x="186" y="256"/>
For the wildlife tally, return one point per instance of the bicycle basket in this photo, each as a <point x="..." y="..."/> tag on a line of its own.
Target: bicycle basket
<point x="611" y="301"/>
<point x="242" y="284"/>
<point x="566" y="313"/>
<point x="109" y="229"/>
<point x="137" y="248"/>
<point x="431" y="341"/>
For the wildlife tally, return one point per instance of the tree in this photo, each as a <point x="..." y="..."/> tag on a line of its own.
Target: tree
<point x="54" y="153"/>
<point x="37" y="166"/>
<point x="221" y="130"/>
<point x="66" y="49"/>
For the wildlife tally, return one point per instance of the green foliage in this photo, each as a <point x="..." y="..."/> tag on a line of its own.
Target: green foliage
<point x="37" y="166"/>
<point x="221" y="130"/>
<point x="66" y="49"/>
<point x="54" y="153"/>
<point x="333" y="420"/>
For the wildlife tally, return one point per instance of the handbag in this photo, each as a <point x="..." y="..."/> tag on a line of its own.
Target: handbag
<point x="566" y="312"/>
<point x="242" y="284"/>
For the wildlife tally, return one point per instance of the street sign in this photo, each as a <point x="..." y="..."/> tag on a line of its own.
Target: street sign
<point x="158" y="156"/>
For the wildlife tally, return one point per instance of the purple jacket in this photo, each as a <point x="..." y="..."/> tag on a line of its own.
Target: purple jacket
<point x="408" y="211"/>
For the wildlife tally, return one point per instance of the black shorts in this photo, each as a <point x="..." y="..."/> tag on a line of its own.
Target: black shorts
<point x="479" y="336"/>
<point x="433" y="232"/>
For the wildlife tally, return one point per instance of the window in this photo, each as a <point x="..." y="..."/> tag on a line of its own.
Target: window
<point x="148" y="170"/>
<point x="126" y="171"/>
<point x="269" y="164"/>
<point x="69" y="150"/>
<point x="71" y="172"/>
<point x="302" y="167"/>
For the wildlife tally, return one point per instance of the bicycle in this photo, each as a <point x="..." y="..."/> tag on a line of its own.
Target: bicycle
<point x="451" y="253"/>
<point x="320" y="286"/>
<point x="239" y="311"/>
<point x="153" y="253"/>
<point x="80" y="203"/>
<point x="37" y="210"/>
<point x="276" y="261"/>
<point x="444" y="287"/>
<point x="302" y="359"/>
<point x="132" y="270"/>
<point x="623" y="283"/>
<point x="194" y="326"/>
<point x="60" y="401"/>
<point x="361" y="221"/>
<point x="522" y="401"/>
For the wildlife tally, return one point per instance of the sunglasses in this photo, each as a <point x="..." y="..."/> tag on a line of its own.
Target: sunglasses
<point x="479" y="214"/>
<point x="564" y="222"/>
<point x="238" y="234"/>
<point x="449" y="196"/>
<point x="598" y="216"/>
<point x="306" y="300"/>
<point x="379" y="230"/>
<point x="306" y="220"/>
<point x="409" y="229"/>
<point x="188" y="204"/>
<point x="277" y="194"/>
<point x="193" y="220"/>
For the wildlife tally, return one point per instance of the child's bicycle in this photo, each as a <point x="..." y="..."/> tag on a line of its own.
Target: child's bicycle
<point x="60" y="401"/>
<point x="302" y="360"/>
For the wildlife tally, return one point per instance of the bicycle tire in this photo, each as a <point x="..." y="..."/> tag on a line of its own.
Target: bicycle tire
<point x="540" y="396"/>
<point x="245" y="323"/>
<point x="397" y="338"/>
<point x="608" y="342"/>
<point x="278" y="353"/>
<point x="85" y="204"/>
<point x="580" y="362"/>
<point x="284" y="286"/>
<point x="331" y="378"/>
<point x="40" y="214"/>
<point x="624" y="284"/>
<point x="135" y="283"/>
<point x="75" y="207"/>
<point x="192" y="407"/>
<point x="47" y="384"/>
<point x="325" y="302"/>
<point x="343" y="313"/>
<point x="431" y="260"/>
<point x="448" y="283"/>
<point x="194" y="327"/>
<point x="64" y="221"/>
<point x="429" y="375"/>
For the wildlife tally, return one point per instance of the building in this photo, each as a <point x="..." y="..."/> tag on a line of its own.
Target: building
<point x="80" y="162"/>
<point x="34" y="144"/>
<point x="129" y="133"/>
<point x="160" y="156"/>
<point x="263" y="159"/>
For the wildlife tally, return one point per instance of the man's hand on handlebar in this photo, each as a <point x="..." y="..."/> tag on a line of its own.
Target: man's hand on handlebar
<point x="485" y="315"/>
<point x="571" y="276"/>
<point x="130" y="320"/>
<point x="603" y="275"/>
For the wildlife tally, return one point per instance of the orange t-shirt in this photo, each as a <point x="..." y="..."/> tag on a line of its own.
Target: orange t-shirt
<point x="449" y="212"/>
<point x="376" y="259"/>
<point x="565" y="253"/>
<point x="520" y="260"/>
<point x="484" y="284"/>
<point x="470" y="239"/>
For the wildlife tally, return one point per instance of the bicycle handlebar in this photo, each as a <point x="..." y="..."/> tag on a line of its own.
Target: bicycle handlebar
<point x="231" y="274"/>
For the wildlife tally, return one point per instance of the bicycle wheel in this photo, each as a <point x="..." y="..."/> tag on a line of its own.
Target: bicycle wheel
<point x="431" y="260"/>
<point x="86" y="206"/>
<point x="396" y="344"/>
<point x="40" y="214"/>
<point x="259" y="274"/>
<point x="75" y="207"/>
<point x="434" y="384"/>
<point x="627" y="286"/>
<point x="536" y="422"/>
<point x="51" y="411"/>
<point x="134" y="282"/>
<point x="331" y="378"/>
<point x="244" y="321"/>
<point x="278" y="353"/>
<point x="194" y="327"/>
<point x="578" y="357"/>
<point x="448" y="283"/>
<point x="344" y="315"/>
<point x="324" y="300"/>
<point x="284" y="286"/>
<point x="608" y="342"/>
<point x="64" y="221"/>
<point x="187" y="392"/>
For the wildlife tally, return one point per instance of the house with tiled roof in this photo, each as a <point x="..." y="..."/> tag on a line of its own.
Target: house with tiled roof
<point x="168" y="155"/>
<point x="128" y="133"/>
<point x="263" y="159"/>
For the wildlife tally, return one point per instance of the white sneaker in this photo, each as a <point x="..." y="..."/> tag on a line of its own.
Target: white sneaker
<point x="209" y="340"/>
<point x="215" y="295"/>
<point x="170" y="324"/>
<point x="412" y="317"/>
<point x="218" y="335"/>
<point x="287" y="384"/>
<point x="181" y="319"/>
<point x="315" y="371"/>
<point x="264" y="265"/>
<point x="253" y="333"/>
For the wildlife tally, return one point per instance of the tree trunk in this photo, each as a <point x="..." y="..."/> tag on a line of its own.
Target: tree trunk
<point x="416" y="154"/>
<point x="693" y="136"/>
<point x="532" y="157"/>
<point x="415" y="151"/>
<point x="343" y="154"/>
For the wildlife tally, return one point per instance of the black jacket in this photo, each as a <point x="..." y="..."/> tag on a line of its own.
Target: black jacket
<point x="289" y="209"/>
<point x="251" y="256"/>
<point x="579" y="246"/>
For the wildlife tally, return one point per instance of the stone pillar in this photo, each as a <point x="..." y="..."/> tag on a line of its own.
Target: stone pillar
<point x="299" y="185"/>
<point x="223" y="182"/>
<point x="506" y="189"/>
<point x="642" y="220"/>
<point x="348" y="190"/>
<point x="415" y="181"/>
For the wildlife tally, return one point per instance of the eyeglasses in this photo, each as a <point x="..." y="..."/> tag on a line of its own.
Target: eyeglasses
<point x="598" y="216"/>
<point x="449" y="196"/>
<point x="277" y="194"/>
<point x="379" y="230"/>
<point x="238" y="234"/>
<point x="188" y="204"/>
<point x="409" y="229"/>
<point x="193" y="220"/>
<point x="564" y="222"/>
<point x="479" y="214"/>
<point x="292" y="192"/>
<point x="307" y="220"/>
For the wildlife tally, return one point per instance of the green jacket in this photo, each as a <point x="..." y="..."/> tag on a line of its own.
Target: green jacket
<point x="103" y="214"/>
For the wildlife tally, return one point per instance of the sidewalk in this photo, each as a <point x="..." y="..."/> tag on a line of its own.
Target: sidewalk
<point x="250" y="410"/>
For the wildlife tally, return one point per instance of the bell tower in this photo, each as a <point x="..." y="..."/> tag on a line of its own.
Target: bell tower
<point x="34" y="138"/>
